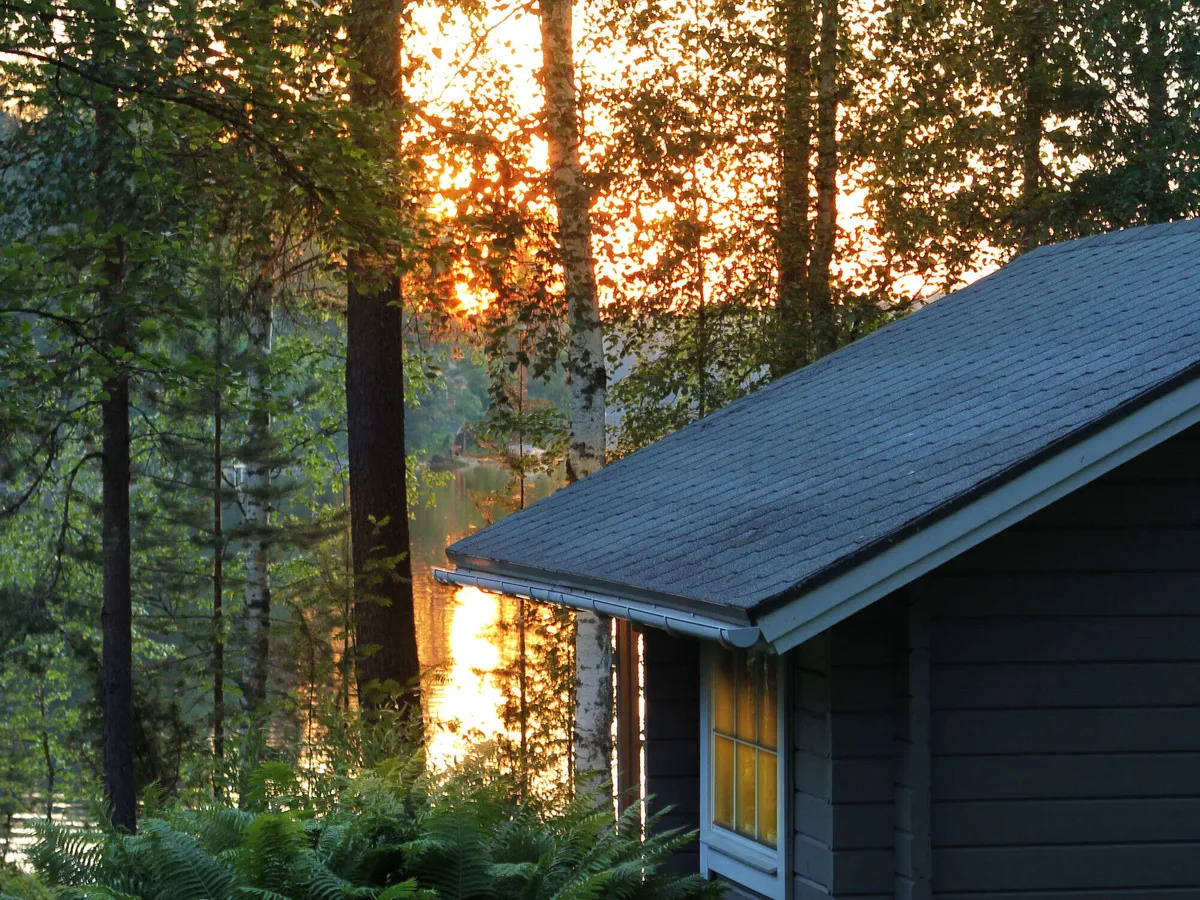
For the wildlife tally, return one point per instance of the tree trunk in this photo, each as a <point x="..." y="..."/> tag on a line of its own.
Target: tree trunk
<point x="824" y="320"/>
<point x="572" y="198"/>
<point x="585" y="372"/>
<point x="218" y="571"/>
<point x="792" y="322"/>
<point x="386" y="660"/>
<point x="702" y="326"/>
<point x="1159" y="204"/>
<point x="387" y="668"/>
<point x="47" y="754"/>
<point x="116" y="617"/>
<point x="258" y="505"/>
<point x="1038" y="28"/>
<point x="629" y="732"/>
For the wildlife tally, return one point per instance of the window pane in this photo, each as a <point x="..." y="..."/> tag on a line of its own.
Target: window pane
<point x="768" y="722"/>
<point x="747" y="671"/>
<point x="746" y="779"/>
<point x="768" y="809"/>
<point x="723" y="782"/>
<point x="723" y="693"/>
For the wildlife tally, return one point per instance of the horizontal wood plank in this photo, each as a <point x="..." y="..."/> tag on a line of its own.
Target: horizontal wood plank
<point x="1051" y="822"/>
<point x="1106" y="866"/>
<point x="1055" y="685"/>
<point x="1036" y="777"/>
<point x="1069" y="731"/>
<point x="1068" y="639"/>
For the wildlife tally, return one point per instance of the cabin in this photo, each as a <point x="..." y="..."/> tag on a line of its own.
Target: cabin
<point x="922" y="620"/>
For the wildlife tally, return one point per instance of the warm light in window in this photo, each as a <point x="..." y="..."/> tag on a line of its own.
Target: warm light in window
<point x="745" y="763"/>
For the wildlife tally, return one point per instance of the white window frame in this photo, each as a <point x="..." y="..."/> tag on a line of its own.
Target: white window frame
<point x="724" y="853"/>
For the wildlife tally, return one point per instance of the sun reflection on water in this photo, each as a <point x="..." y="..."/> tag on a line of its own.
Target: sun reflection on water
<point x="467" y="698"/>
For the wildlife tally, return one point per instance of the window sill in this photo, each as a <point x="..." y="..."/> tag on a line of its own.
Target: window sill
<point x="757" y="857"/>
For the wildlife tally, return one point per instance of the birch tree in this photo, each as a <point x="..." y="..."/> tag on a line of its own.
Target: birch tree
<point x="585" y="370"/>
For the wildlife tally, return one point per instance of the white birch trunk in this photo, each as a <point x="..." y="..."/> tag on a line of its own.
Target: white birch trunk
<point x="257" y="490"/>
<point x="593" y="701"/>
<point x="585" y="372"/>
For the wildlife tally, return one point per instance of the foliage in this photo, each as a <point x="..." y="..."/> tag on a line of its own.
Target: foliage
<point x="1039" y="122"/>
<point x="537" y="687"/>
<point x="390" y="833"/>
<point x="225" y="173"/>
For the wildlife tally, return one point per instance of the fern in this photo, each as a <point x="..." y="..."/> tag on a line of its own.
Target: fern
<point x="391" y="834"/>
<point x="62" y="854"/>
<point x="452" y="855"/>
<point x="178" y="866"/>
<point x="270" y="852"/>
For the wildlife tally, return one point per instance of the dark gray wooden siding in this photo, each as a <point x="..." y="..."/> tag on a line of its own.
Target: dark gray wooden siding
<point x="911" y="810"/>
<point x="1065" y="696"/>
<point x="672" y="739"/>
<point x="843" y="707"/>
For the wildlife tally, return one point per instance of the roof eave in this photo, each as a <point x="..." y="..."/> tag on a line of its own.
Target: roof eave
<point x="571" y="581"/>
<point x="822" y="607"/>
<point x="672" y="620"/>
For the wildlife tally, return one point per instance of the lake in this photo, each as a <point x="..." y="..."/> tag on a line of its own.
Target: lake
<point x="465" y="636"/>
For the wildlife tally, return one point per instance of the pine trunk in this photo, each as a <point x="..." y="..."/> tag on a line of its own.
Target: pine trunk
<point x="116" y="617"/>
<point x="257" y="490"/>
<point x="386" y="660"/>
<point x="792" y="322"/>
<point x="116" y="663"/>
<point x="218" y="570"/>
<point x="387" y="668"/>
<point x="585" y="372"/>
<point x="824" y="320"/>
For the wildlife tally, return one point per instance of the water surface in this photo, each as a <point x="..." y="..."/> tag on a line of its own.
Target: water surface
<point x="459" y="637"/>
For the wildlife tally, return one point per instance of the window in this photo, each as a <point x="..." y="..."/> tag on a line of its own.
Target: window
<point x="745" y="735"/>
<point x="744" y="780"/>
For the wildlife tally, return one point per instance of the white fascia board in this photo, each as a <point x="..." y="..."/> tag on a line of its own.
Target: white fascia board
<point x="823" y="607"/>
<point x="673" y="621"/>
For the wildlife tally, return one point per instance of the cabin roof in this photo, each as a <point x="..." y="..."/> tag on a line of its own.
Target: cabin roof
<point x="767" y="499"/>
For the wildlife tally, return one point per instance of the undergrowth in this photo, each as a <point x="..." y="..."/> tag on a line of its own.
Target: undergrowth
<point x="389" y="833"/>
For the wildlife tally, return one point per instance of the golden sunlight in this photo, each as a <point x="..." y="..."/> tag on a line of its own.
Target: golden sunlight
<point x="469" y="699"/>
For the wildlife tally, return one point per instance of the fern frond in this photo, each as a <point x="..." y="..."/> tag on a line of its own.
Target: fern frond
<point x="180" y="867"/>
<point x="64" y="855"/>
<point x="406" y="890"/>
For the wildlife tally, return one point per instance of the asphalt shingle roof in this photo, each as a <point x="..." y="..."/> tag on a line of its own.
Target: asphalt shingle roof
<point x="820" y="470"/>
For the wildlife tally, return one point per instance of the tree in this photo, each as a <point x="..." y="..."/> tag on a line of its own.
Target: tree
<point x="805" y="306"/>
<point x="795" y="179"/>
<point x="686" y="176"/>
<point x="117" y="613"/>
<point x="140" y="141"/>
<point x="257" y="492"/>
<point x="387" y="666"/>
<point x="1040" y="122"/>
<point x="585" y="369"/>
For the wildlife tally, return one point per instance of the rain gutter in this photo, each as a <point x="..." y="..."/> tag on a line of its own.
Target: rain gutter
<point x="673" y="621"/>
